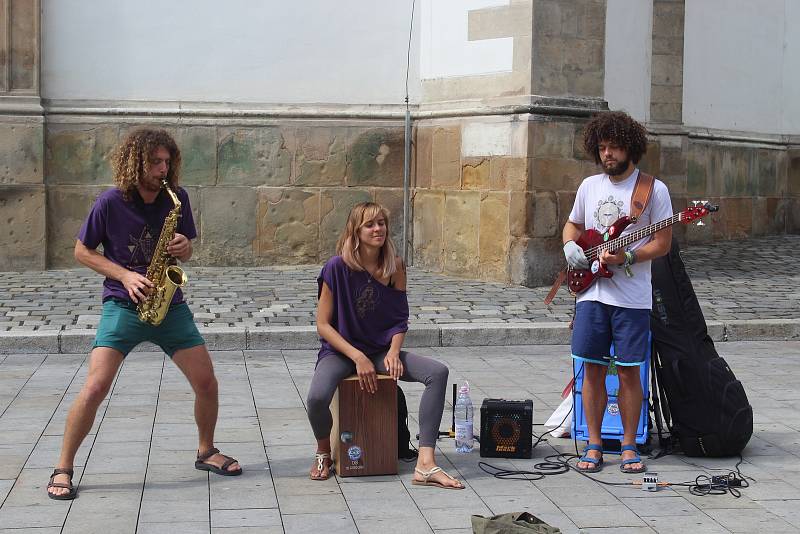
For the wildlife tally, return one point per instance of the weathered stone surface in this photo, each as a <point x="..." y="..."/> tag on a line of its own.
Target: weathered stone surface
<point x="667" y="70"/>
<point x="566" y="199"/>
<point x="22" y="232"/>
<point x="288" y="225"/>
<point x="376" y="157"/>
<point x="545" y="215"/>
<point x="769" y="215"/>
<point x="282" y="338"/>
<point x="793" y="216"/>
<point x="763" y="329"/>
<point x="423" y="156"/>
<point x="697" y="170"/>
<point x="198" y="146"/>
<point x="765" y="171"/>
<point x="475" y="173"/>
<point x="535" y="261"/>
<point x="553" y="174"/>
<point x="508" y="174"/>
<point x="30" y="343"/>
<point x="738" y="217"/>
<point x="520" y="213"/>
<point x="79" y="154"/>
<point x="446" y="157"/>
<point x="429" y="210"/>
<point x="651" y="160"/>
<point x="21" y="153"/>
<point x="793" y="173"/>
<point x="735" y="171"/>
<point x="551" y="139"/>
<point x="229" y="228"/>
<point x="67" y="208"/>
<point x="461" y="229"/>
<point x="253" y="156"/>
<point x="494" y="236"/>
<point x="24" y="41"/>
<point x="320" y="154"/>
<point x="335" y="206"/>
<point x="499" y="22"/>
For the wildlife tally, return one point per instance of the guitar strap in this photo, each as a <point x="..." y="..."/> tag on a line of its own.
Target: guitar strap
<point x="642" y="192"/>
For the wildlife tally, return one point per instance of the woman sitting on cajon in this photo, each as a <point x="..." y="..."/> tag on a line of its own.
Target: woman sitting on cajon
<point x="362" y="318"/>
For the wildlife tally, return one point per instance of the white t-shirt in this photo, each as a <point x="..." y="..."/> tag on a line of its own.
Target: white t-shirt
<point x="598" y="204"/>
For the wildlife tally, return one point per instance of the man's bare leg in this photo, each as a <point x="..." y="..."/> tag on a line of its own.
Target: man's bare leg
<point x="630" y="407"/>
<point x="104" y="362"/>
<point x="195" y="363"/>
<point x="595" y="399"/>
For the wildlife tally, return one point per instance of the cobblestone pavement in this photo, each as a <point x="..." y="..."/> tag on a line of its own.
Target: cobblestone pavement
<point x="734" y="280"/>
<point x="135" y="470"/>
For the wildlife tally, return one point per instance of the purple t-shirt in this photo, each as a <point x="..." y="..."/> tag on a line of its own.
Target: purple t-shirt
<point x="366" y="313"/>
<point x="129" y="231"/>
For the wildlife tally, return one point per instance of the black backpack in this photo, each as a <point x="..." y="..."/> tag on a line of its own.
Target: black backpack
<point x="404" y="450"/>
<point x="694" y="390"/>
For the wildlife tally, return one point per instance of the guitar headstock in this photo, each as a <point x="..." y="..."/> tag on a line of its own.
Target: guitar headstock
<point x="700" y="209"/>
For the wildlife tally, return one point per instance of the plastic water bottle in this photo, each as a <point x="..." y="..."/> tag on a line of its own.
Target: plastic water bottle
<point x="464" y="432"/>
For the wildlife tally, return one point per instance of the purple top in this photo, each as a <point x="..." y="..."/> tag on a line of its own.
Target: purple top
<point x="129" y="231"/>
<point x="366" y="313"/>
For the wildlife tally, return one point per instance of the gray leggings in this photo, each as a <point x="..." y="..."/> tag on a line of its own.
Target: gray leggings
<point x="332" y="369"/>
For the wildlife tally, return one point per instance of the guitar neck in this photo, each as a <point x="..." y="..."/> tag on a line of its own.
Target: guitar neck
<point x="641" y="233"/>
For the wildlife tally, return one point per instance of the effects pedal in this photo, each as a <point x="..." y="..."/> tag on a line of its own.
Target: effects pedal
<point x="650" y="482"/>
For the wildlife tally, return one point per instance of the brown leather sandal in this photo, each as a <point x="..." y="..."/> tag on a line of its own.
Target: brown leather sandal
<point x="324" y="461"/>
<point x="73" y="491"/>
<point x="202" y="465"/>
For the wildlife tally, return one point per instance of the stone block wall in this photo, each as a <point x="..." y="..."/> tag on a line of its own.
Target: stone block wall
<point x="262" y="194"/>
<point x="492" y="194"/>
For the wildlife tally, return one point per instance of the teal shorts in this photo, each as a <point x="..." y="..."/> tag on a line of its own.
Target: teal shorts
<point x="121" y="329"/>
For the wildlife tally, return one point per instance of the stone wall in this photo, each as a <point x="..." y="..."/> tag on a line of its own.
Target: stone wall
<point x="262" y="194"/>
<point x="22" y="192"/>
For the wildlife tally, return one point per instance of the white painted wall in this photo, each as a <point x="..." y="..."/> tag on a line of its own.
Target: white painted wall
<point x="309" y="51"/>
<point x="446" y="51"/>
<point x="741" y="62"/>
<point x="629" y="30"/>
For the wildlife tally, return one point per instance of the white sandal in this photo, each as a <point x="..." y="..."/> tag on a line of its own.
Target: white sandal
<point x="320" y="457"/>
<point x="426" y="479"/>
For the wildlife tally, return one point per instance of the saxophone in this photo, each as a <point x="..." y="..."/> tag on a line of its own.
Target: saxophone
<point x="166" y="277"/>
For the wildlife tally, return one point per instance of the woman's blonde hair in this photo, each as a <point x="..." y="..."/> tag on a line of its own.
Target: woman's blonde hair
<point x="132" y="158"/>
<point x="348" y="246"/>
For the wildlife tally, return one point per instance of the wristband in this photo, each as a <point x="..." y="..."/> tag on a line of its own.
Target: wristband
<point x="629" y="259"/>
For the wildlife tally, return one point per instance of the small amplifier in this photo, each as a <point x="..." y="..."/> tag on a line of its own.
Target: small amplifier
<point x="506" y="428"/>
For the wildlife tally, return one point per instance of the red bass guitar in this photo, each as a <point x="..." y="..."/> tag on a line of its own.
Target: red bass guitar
<point x="593" y="243"/>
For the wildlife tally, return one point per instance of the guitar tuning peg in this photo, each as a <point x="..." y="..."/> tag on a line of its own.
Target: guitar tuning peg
<point x="700" y="223"/>
<point x="695" y="202"/>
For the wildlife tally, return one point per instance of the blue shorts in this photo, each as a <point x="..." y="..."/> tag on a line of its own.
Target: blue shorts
<point x="598" y="325"/>
<point x="121" y="329"/>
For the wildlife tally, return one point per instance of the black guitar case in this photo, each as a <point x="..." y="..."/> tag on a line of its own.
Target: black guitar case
<point x="694" y="390"/>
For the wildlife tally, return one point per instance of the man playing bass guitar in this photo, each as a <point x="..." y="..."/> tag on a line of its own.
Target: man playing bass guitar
<point x="615" y="309"/>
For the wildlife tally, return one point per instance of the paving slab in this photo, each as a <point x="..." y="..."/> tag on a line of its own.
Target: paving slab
<point x="139" y="472"/>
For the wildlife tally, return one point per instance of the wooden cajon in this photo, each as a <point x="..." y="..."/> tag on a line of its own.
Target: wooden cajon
<point x="364" y="433"/>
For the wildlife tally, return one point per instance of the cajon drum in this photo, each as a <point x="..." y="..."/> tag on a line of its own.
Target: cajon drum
<point x="364" y="433"/>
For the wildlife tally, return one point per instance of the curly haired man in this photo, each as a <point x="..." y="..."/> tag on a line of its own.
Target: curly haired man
<point x="616" y="309"/>
<point x="127" y="221"/>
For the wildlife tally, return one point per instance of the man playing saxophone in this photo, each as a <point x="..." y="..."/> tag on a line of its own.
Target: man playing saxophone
<point x="128" y="221"/>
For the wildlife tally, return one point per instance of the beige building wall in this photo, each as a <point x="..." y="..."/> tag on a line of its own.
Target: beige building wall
<point x="503" y="90"/>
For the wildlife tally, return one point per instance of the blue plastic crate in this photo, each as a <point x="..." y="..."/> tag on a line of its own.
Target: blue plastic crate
<point x="611" y="430"/>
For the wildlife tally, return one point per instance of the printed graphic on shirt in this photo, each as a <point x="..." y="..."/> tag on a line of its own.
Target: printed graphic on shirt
<point x="607" y="212"/>
<point x="367" y="300"/>
<point x="141" y="248"/>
